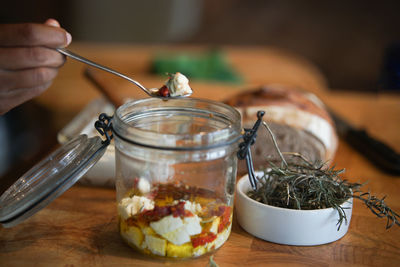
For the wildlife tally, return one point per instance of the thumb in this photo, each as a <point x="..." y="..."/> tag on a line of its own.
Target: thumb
<point x="52" y="22"/>
<point x="55" y="23"/>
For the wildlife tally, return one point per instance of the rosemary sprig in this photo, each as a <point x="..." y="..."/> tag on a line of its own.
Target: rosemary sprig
<point x="379" y="208"/>
<point x="212" y="263"/>
<point x="301" y="184"/>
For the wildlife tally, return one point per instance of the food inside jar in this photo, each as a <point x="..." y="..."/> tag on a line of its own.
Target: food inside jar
<point x="177" y="221"/>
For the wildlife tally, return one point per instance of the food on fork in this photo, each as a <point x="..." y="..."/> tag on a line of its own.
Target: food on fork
<point x="176" y="85"/>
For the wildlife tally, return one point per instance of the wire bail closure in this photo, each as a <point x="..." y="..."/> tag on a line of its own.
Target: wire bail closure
<point x="104" y="126"/>
<point x="244" y="152"/>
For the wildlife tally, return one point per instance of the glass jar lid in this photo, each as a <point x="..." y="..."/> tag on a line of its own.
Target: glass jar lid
<point x="49" y="179"/>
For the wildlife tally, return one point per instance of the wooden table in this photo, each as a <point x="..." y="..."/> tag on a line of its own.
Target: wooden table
<point x="80" y="227"/>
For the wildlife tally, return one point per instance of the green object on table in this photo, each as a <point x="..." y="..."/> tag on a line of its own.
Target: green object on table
<point x="210" y="66"/>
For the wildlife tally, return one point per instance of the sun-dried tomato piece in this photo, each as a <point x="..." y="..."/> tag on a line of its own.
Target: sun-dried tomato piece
<point x="225" y="217"/>
<point x="164" y="91"/>
<point x="178" y="210"/>
<point x="203" y="239"/>
<point x="188" y="213"/>
<point x="156" y="214"/>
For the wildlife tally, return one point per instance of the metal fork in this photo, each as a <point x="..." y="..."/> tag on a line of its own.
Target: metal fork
<point x="99" y="66"/>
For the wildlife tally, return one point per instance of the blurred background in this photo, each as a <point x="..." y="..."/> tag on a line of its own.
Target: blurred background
<point x="347" y="40"/>
<point x="353" y="43"/>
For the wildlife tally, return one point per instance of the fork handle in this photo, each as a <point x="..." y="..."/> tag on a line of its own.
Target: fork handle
<point x="99" y="66"/>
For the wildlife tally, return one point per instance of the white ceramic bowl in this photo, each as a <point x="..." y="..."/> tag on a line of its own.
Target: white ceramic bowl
<point x="288" y="226"/>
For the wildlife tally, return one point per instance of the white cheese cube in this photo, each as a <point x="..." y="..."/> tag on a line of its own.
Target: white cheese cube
<point x="178" y="85"/>
<point x="192" y="225"/>
<point x="148" y="231"/>
<point x="192" y="207"/>
<point x="143" y="186"/>
<point x="124" y="208"/>
<point x="222" y="237"/>
<point x="214" y="225"/>
<point x="133" y="235"/>
<point x="198" y="251"/>
<point x="166" y="224"/>
<point x="142" y="203"/>
<point x="128" y="207"/>
<point x="178" y="237"/>
<point x="156" y="245"/>
<point x="181" y="235"/>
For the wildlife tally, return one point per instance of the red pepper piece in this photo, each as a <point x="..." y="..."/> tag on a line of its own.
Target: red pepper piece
<point x="220" y="211"/>
<point x="225" y="218"/>
<point x="135" y="182"/>
<point x="156" y="214"/>
<point x="220" y="227"/>
<point x="188" y="214"/>
<point x="203" y="239"/>
<point x="164" y="91"/>
<point x="178" y="210"/>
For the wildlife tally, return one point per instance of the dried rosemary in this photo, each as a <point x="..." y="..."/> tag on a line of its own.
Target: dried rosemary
<point x="212" y="263"/>
<point x="301" y="184"/>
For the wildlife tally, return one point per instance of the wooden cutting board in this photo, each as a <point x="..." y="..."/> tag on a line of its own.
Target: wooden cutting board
<point x="80" y="227"/>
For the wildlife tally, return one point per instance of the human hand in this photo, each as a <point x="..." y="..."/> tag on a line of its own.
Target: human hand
<point x="28" y="62"/>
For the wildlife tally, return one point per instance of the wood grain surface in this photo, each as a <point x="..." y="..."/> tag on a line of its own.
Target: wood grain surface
<point x="80" y="227"/>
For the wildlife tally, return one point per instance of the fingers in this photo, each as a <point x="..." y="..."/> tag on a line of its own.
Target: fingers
<point x="18" y="87"/>
<point x="20" y="96"/>
<point x="29" y="78"/>
<point x="31" y="34"/>
<point x="23" y="56"/>
<point x="28" y="62"/>
<point x="29" y="57"/>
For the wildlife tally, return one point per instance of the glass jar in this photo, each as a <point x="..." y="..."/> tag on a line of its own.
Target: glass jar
<point x="175" y="174"/>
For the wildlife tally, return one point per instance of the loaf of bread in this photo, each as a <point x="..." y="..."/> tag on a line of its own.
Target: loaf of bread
<point x="297" y="118"/>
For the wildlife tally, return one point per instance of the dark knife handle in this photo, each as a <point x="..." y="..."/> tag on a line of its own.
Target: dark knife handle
<point x="377" y="152"/>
